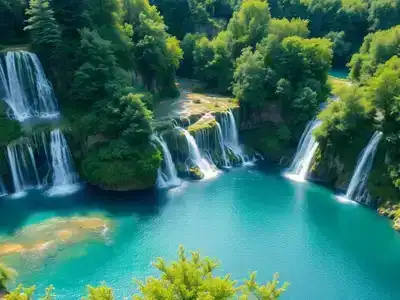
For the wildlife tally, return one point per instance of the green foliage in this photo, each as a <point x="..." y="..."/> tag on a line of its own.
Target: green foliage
<point x="93" y="79"/>
<point x="44" y="30"/>
<point x="283" y="28"/>
<point x="21" y="293"/>
<point x="12" y="21"/>
<point x="6" y="275"/>
<point x="249" y="78"/>
<point x="156" y="54"/>
<point x="117" y="165"/>
<point x="376" y="49"/>
<point x="9" y="129"/>
<point x="249" y="25"/>
<point x="99" y="293"/>
<point x="193" y="278"/>
<point x="186" y="278"/>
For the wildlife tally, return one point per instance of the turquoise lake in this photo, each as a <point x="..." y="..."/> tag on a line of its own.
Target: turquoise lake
<point x="248" y="218"/>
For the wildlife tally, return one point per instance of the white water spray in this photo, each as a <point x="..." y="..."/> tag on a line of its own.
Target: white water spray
<point x="167" y="176"/>
<point x="305" y="153"/>
<point x="356" y="190"/>
<point x="194" y="154"/>
<point x="27" y="91"/>
<point x="61" y="160"/>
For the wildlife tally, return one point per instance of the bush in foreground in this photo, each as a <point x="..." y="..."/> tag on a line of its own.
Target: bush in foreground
<point x="187" y="278"/>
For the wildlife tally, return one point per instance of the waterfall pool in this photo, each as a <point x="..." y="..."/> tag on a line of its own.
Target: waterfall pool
<point x="247" y="218"/>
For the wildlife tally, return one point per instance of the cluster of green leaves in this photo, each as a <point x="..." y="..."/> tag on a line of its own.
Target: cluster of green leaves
<point x="106" y="57"/>
<point x="187" y="278"/>
<point x="345" y="22"/>
<point x="373" y="103"/>
<point x="12" y="21"/>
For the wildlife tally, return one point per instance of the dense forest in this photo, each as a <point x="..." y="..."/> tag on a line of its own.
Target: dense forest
<point x="112" y="61"/>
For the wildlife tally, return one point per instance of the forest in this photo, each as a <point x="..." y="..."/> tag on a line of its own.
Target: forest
<point x="112" y="61"/>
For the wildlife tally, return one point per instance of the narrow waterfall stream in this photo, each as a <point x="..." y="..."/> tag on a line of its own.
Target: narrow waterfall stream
<point x="230" y="134"/>
<point x="220" y="139"/>
<point x="16" y="170"/>
<point x="61" y="160"/>
<point x="356" y="189"/>
<point x="305" y="152"/>
<point x="167" y="175"/>
<point x="3" y="190"/>
<point x="194" y="154"/>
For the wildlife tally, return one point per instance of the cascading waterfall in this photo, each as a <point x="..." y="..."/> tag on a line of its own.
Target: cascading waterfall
<point x="194" y="154"/>
<point x="167" y="176"/>
<point x="25" y="87"/>
<point x="230" y="134"/>
<point x="305" y="153"/>
<point x="220" y="139"/>
<point x="61" y="160"/>
<point x="356" y="189"/>
<point x="17" y="172"/>
<point x="34" y="165"/>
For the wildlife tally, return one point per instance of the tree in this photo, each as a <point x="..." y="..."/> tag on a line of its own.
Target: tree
<point x="157" y="55"/>
<point x="93" y="79"/>
<point x="249" y="25"/>
<point x="249" y="79"/>
<point x="44" y="31"/>
<point x="376" y="49"/>
<point x="193" y="278"/>
<point x="283" y="28"/>
<point x="6" y="275"/>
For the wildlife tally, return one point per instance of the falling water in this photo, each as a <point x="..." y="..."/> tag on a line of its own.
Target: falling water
<point x="34" y="165"/>
<point x="167" y="176"/>
<point x="356" y="189"/>
<point x="61" y="160"/>
<point x="305" y="153"/>
<point x="220" y="139"/>
<point x="230" y="134"/>
<point x="16" y="170"/>
<point x="195" y="156"/>
<point x="26" y="89"/>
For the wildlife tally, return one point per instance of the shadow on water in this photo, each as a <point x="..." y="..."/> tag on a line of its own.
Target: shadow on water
<point x="15" y="213"/>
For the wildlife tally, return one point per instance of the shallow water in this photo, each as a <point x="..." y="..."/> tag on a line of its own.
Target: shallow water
<point x="248" y="219"/>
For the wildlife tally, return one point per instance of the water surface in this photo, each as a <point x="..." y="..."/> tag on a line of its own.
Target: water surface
<point x="248" y="219"/>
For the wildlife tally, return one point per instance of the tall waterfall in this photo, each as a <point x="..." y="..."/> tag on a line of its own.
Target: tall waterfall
<point x="61" y="160"/>
<point x="356" y="189"/>
<point x="194" y="154"/>
<point x="25" y="87"/>
<point x="220" y="139"/>
<point x="167" y="176"/>
<point x="305" y="153"/>
<point x="230" y="134"/>
<point x="21" y="170"/>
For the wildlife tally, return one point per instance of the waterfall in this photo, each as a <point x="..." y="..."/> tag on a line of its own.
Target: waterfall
<point x="356" y="189"/>
<point x="230" y="134"/>
<point x="61" y="160"/>
<point x="167" y="176"/>
<point x="194" y="154"/>
<point x="305" y="153"/>
<point x="26" y="89"/>
<point x="24" y="172"/>
<point x="220" y="139"/>
<point x="16" y="170"/>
